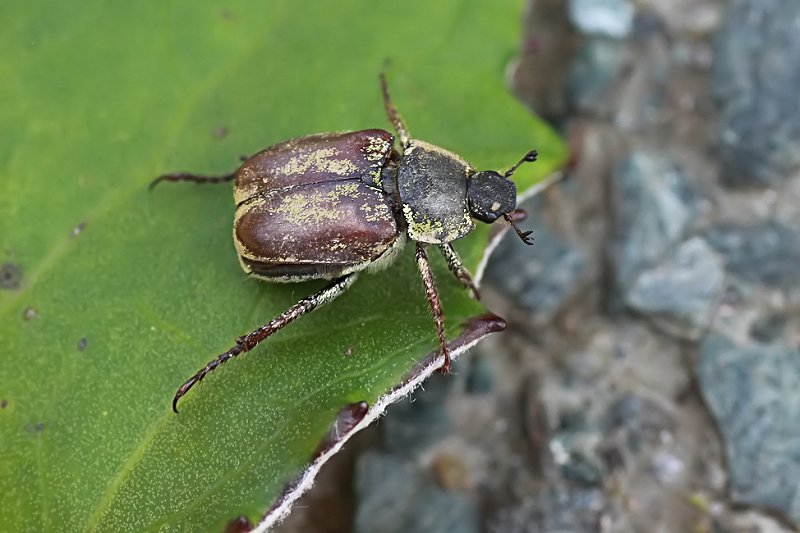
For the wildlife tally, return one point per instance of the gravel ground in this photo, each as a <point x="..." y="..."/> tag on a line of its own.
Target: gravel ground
<point x="650" y="377"/>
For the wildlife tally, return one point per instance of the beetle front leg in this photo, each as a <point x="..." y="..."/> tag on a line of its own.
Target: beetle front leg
<point x="436" y="304"/>
<point x="252" y="339"/>
<point x="394" y="115"/>
<point x="457" y="268"/>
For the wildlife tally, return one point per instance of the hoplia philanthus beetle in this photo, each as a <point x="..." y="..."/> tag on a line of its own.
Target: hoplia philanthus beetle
<point x="331" y="205"/>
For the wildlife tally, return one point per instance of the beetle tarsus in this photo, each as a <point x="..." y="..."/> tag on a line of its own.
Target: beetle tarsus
<point x="185" y="176"/>
<point x="524" y="235"/>
<point x="210" y="367"/>
<point x="247" y="342"/>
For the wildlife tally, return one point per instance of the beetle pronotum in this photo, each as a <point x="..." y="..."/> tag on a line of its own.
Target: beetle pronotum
<point x="330" y="205"/>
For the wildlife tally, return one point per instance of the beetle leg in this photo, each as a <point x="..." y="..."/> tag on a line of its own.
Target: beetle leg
<point x="436" y="305"/>
<point x="185" y="176"/>
<point x="247" y="342"/>
<point x="458" y="269"/>
<point x="524" y="235"/>
<point x="394" y="115"/>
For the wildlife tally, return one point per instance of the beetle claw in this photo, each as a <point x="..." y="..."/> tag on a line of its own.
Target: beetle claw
<point x="526" y="238"/>
<point x="524" y="235"/>
<point x="183" y="390"/>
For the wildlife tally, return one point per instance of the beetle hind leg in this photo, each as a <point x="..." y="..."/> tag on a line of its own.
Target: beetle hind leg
<point x="458" y="269"/>
<point x="436" y="304"/>
<point x="247" y="342"/>
<point x="185" y="176"/>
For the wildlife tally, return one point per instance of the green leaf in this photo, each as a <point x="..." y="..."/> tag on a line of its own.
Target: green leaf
<point x="111" y="296"/>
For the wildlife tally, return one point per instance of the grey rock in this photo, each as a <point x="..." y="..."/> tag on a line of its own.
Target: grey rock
<point x="769" y="328"/>
<point x="641" y="418"/>
<point x="576" y="458"/>
<point x="767" y="253"/>
<point x="541" y="279"/>
<point x="610" y="18"/>
<point x="593" y="75"/>
<point x="652" y="211"/>
<point x="554" y="511"/>
<point x="392" y="497"/>
<point x="385" y="487"/>
<point x="480" y="376"/>
<point x="681" y="294"/>
<point x="756" y="79"/>
<point x="753" y="392"/>
<point x="437" y="511"/>
<point x="414" y="425"/>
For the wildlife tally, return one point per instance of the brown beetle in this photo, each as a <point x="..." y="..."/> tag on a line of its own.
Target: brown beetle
<point x="330" y="205"/>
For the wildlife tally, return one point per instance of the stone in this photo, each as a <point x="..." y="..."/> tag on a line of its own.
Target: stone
<point x="609" y="18"/>
<point x="385" y="485"/>
<point x="767" y="253"/>
<point x="418" y="422"/>
<point x="593" y="76"/>
<point x="393" y="497"/>
<point x="553" y="510"/>
<point x="769" y="328"/>
<point x="753" y="392"/>
<point x="480" y="375"/>
<point x="541" y="279"/>
<point x="681" y="294"/>
<point x="437" y="511"/>
<point x="652" y="211"/>
<point x="756" y="76"/>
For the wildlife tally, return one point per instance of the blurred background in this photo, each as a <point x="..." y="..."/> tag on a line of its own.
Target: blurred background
<point x="650" y="376"/>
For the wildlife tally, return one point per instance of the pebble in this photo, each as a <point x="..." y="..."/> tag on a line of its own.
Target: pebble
<point x="541" y="279"/>
<point x="768" y="252"/>
<point x="393" y="497"/>
<point x="681" y="294"/>
<point x="753" y="392"/>
<point x="756" y="80"/>
<point x="609" y="18"/>
<point x="594" y="74"/>
<point x="650" y="210"/>
<point x="420" y="421"/>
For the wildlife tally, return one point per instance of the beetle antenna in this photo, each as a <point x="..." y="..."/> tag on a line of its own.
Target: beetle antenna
<point x="524" y="235"/>
<point x="530" y="157"/>
<point x="394" y="115"/>
<point x="184" y="176"/>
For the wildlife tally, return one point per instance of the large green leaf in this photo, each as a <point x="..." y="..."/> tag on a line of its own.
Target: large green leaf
<point x="112" y="296"/>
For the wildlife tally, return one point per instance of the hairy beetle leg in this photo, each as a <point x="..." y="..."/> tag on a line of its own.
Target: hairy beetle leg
<point x="247" y="342"/>
<point x="394" y="115"/>
<point x="436" y="304"/>
<point x="185" y="176"/>
<point x="458" y="269"/>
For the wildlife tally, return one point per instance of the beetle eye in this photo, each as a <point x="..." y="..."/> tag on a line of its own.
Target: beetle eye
<point x="490" y="195"/>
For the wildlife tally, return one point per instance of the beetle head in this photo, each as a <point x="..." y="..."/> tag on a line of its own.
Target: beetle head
<point x="491" y="195"/>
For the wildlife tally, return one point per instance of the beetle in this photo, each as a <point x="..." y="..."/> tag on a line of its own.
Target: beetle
<point x="331" y="205"/>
